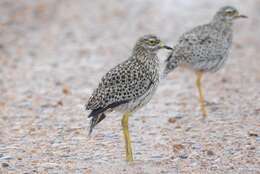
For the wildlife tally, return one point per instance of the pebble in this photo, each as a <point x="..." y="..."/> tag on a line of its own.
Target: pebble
<point x="183" y="156"/>
<point x="5" y="165"/>
<point x="6" y="158"/>
<point x="210" y="153"/>
<point x="172" y="120"/>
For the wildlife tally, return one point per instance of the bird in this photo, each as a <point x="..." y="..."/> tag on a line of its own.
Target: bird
<point x="128" y="86"/>
<point x="204" y="48"/>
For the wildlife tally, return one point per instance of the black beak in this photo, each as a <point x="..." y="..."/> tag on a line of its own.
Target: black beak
<point x="241" y="16"/>
<point x="167" y="47"/>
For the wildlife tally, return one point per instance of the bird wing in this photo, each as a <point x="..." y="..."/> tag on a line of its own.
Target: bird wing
<point x="204" y="47"/>
<point x="120" y="85"/>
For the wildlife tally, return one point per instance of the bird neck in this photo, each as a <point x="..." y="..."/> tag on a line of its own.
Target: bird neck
<point x="222" y="24"/>
<point x="142" y="54"/>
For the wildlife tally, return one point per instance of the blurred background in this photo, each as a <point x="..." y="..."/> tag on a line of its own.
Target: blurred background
<point x="52" y="55"/>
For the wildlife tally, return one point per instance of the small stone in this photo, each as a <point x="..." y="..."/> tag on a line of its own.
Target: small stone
<point x="257" y="110"/>
<point x="188" y="129"/>
<point x="5" y="165"/>
<point x="178" y="126"/>
<point x="210" y="153"/>
<point x="2" y="104"/>
<point x="6" y="158"/>
<point x="168" y="103"/>
<point x="252" y="148"/>
<point x="183" y="156"/>
<point x="66" y="90"/>
<point x="60" y="103"/>
<point x="252" y="134"/>
<point x="224" y="80"/>
<point x="172" y="120"/>
<point x="196" y="146"/>
<point x="178" y="147"/>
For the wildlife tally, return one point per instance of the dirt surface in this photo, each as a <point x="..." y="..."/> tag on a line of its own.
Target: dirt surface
<point x="52" y="55"/>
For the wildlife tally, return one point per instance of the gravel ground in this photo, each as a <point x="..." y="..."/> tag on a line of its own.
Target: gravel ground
<point x="52" y="55"/>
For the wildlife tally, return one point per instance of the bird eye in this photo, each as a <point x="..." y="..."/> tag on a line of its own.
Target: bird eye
<point x="230" y="12"/>
<point x="152" y="42"/>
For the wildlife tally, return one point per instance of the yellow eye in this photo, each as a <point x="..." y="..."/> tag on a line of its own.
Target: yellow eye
<point x="152" y="42"/>
<point x="230" y="12"/>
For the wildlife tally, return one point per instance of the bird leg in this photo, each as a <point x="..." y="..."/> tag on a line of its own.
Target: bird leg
<point x="129" y="155"/>
<point x="201" y="94"/>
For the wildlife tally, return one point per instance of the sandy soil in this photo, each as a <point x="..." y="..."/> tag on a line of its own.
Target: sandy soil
<point x="52" y="55"/>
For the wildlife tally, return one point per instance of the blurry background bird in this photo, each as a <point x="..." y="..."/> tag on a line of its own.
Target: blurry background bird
<point x="128" y="86"/>
<point x="205" y="48"/>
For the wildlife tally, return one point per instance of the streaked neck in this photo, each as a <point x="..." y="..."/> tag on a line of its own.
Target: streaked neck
<point x="142" y="54"/>
<point x="221" y="24"/>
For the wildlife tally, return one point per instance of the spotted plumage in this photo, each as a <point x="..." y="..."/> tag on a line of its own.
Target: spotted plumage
<point x="204" y="48"/>
<point x="129" y="85"/>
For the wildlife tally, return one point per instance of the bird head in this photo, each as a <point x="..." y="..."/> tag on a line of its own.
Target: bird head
<point x="152" y="43"/>
<point x="228" y="14"/>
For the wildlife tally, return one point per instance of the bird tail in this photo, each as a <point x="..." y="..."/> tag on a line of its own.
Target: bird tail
<point x="169" y="65"/>
<point x="98" y="115"/>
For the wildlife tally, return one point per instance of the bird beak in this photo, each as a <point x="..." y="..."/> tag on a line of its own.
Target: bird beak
<point x="240" y="16"/>
<point x="162" y="45"/>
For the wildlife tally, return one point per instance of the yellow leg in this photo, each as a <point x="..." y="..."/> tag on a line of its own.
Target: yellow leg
<point x="129" y="155"/>
<point x="201" y="94"/>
